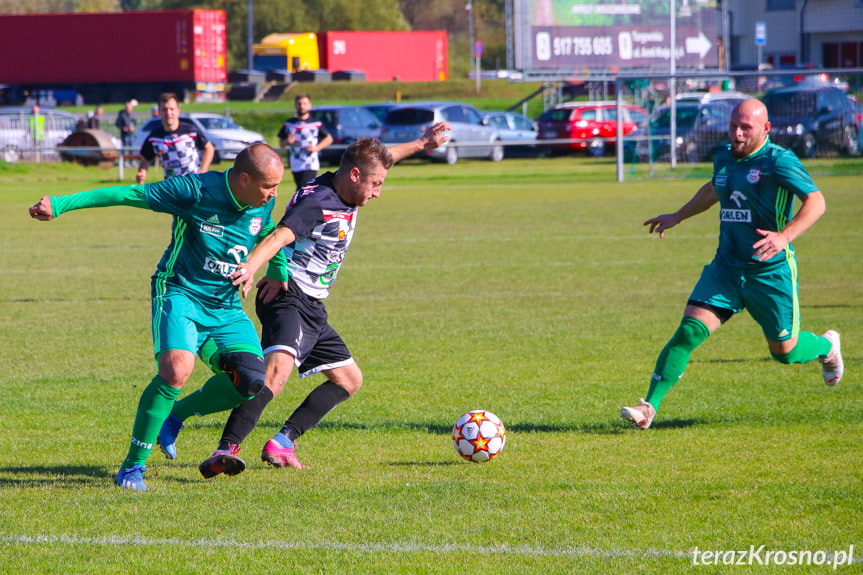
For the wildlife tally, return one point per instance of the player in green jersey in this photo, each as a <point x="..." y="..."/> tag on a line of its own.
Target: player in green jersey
<point x="754" y="182"/>
<point x="218" y="219"/>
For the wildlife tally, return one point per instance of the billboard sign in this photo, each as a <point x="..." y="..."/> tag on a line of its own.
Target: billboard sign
<point x="574" y="35"/>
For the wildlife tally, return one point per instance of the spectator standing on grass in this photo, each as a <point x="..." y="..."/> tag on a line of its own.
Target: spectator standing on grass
<point x="311" y="241"/>
<point x="126" y="124"/>
<point x="176" y="144"/>
<point x="754" y="182"/>
<point x="94" y="119"/>
<point x="36" y="125"/>
<point x="305" y="138"/>
<point x="218" y="218"/>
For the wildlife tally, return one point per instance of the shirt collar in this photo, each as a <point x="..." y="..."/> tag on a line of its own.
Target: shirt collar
<point x="758" y="151"/>
<point x="239" y="205"/>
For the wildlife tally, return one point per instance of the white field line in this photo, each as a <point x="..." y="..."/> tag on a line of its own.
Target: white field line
<point x="404" y="547"/>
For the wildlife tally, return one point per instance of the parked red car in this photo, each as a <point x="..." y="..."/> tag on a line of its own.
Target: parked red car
<point x="593" y="125"/>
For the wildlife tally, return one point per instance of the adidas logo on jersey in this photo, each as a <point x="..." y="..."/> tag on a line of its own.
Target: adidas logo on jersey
<point x="214" y="219"/>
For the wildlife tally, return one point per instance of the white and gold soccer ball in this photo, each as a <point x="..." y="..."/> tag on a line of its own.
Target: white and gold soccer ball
<point x="478" y="435"/>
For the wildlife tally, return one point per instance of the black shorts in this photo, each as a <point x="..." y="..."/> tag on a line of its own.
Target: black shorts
<point x="297" y="324"/>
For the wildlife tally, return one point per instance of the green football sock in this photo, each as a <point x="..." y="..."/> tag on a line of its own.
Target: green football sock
<point x="674" y="357"/>
<point x="153" y="408"/>
<point x="217" y="394"/>
<point x="809" y="346"/>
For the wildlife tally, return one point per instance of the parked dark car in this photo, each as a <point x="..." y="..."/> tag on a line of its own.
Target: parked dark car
<point x="702" y="130"/>
<point x="345" y="124"/>
<point x="812" y="119"/>
<point x="380" y="109"/>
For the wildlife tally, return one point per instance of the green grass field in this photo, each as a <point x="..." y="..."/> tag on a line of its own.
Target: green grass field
<point x="529" y="288"/>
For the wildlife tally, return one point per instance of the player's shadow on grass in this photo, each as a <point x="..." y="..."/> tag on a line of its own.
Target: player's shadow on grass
<point x="610" y="427"/>
<point x="77" y="476"/>
<point x="68" y="476"/>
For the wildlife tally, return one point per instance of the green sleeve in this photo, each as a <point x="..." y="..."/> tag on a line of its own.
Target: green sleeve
<point x="277" y="267"/>
<point x="102" y="198"/>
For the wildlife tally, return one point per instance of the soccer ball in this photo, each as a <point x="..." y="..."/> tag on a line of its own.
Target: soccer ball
<point x="478" y="435"/>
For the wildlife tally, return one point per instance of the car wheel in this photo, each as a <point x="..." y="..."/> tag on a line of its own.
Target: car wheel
<point x="596" y="148"/>
<point x="850" y="143"/>
<point x="10" y="154"/>
<point x="496" y="152"/>
<point x="807" y="148"/>
<point x="451" y="155"/>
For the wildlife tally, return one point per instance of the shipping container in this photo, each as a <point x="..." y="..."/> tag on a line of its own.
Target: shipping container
<point x="115" y="52"/>
<point x="416" y="56"/>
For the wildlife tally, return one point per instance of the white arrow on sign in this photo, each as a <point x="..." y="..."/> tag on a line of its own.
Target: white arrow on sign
<point x="699" y="45"/>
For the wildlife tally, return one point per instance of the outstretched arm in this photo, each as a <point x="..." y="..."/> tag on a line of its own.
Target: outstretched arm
<point x="49" y="207"/>
<point x="774" y="242"/>
<point x="433" y="138"/>
<point x="268" y="247"/>
<point x="703" y="200"/>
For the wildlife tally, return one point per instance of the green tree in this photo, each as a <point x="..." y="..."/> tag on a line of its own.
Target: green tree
<point x="489" y="21"/>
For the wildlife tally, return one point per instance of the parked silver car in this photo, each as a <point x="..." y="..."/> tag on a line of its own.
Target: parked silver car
<point x="516" y="130"/>
<point x="471" y="136"/>
<point x="16" y="140"/>
<point x="227" y="137"/>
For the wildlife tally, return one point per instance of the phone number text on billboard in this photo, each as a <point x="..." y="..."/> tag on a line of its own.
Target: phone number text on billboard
<point x="579" y="47"/>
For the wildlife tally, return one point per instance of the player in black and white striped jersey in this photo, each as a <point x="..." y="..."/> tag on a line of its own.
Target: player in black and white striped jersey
<point x="314" y="235"/>
<point x="175" y="143"/>
<point x="305" y="138"/>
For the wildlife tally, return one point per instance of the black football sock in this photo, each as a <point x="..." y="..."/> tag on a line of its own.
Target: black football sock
<point x="244" y="418"/>
<point x="322" y="400"/>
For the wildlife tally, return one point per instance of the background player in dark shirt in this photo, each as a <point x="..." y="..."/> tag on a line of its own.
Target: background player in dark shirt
<point x="176" y="144"/>
<point x="306" y="137"/>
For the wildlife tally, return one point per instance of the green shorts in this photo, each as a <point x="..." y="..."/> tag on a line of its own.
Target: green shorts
<point x="181" y="322"/>
<point x="769" y="294"/>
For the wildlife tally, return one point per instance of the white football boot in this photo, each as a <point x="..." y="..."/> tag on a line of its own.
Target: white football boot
<point x="832" y="366"/>
<point x="641" y="416"/>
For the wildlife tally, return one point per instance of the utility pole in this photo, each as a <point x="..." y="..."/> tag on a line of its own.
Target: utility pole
<point x="469" y="9"/>
<point x="251" y="39"/>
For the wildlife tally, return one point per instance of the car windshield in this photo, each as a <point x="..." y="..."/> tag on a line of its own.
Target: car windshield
<point x="328" y="117"/>
<point x="686" y="117"/>
<point x="794" y="104"/>
<point x="409" y="116"/>
<point x="556" y="115"/>
<point x="216" y="123"/>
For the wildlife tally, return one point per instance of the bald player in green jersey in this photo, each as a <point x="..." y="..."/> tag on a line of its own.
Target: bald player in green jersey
<point x="218" y="217"/>
<point x="755" y="183"/>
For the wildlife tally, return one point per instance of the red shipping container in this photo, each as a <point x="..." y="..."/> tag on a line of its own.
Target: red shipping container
<point x="417" y="56"/>
<point x="113" y="47"/>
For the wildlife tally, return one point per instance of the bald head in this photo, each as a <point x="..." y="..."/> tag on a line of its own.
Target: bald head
<point x="256" y="159"/>
<point x="752" y="108"/>
<point x="748" y="128"/>
<point x="256" y="175"/>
